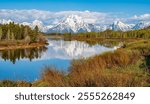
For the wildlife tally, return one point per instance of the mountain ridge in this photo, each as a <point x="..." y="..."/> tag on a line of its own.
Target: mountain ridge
<point x="76" y="24"/>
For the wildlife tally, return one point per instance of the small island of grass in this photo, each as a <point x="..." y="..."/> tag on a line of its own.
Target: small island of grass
<point x="16" y="36"/>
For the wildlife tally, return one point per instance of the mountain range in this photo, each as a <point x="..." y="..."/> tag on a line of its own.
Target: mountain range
<point x="76" y="24"/>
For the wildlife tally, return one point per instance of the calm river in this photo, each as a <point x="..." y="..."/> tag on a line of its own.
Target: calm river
<point x="28" y="64"/>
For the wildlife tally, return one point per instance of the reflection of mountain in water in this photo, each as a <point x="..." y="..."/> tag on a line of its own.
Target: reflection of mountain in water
<point x="65" y="50"/>
<point x="72" y="50"/>
<point x="18" y="54"/>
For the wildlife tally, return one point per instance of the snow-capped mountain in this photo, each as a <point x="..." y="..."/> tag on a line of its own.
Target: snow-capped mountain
<point x="73" y="24"/>
<point x="38" y="23"/>
<point x="120" y="26"/>
<point x="3" y="21"/>
<point x="141" y="25"/>
<point x="76" y="24"/>
<point x="26" y="24"/>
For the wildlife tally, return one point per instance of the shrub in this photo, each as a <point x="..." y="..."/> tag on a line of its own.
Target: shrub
<point x="23" y="84"/>
<point x="27" y="39"/>
<point x="130" y="76"/>
<point x="41" y="38"/>
<point x="52" y="77"/>
<point x="7" y="83"/>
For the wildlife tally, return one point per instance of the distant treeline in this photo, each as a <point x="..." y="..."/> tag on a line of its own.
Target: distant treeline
<point x="12" y="32"/>
<point x="142" y="33"/>
<point x="118" y="34"/>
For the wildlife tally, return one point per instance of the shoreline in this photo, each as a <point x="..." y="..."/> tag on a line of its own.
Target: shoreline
<point x="22" y="46"/>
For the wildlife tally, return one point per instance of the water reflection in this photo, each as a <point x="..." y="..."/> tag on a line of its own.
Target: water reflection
<point x="28" y="64"/>
<point x="66" y="50"/>
<point x="72" y="50"/>
<point x="18" y="54"/>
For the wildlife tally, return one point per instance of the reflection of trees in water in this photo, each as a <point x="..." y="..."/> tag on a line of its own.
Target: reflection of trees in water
<point x="29" y="53"/>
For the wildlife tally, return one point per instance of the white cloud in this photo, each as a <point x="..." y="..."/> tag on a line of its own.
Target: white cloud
<point x="143" y="17"/>
<point x="24" y="15"/>
<point x="48" y="17"/>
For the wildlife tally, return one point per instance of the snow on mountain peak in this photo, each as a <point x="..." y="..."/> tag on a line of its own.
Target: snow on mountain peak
<point x="118" y="25"/>
<point x="74" y="18"/>
<point x="37" y="23"/>
<point x="3" y="21"/>
<point x="141" y="25"/>
<point x="76" y="24"/>
<point x="40" y="25"/>
<point x="26" y="23"/>
<point x="73" y="24"/>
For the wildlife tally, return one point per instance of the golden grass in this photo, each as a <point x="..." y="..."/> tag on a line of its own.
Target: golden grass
<point x="123" y="77"/>
<point x="119" y="58"/>
<point x="119" y="68"/>
<point x="51" y="77"/>
<point x="8" y="83"/>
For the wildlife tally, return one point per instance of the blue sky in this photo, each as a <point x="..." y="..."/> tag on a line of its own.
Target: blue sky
<point x="99" y="11"/>
<point x="130" y="7"/>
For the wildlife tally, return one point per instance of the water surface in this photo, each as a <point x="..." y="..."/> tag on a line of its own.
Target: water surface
<point x="28" y="64"/>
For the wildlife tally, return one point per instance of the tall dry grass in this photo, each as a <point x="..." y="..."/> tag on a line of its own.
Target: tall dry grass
<point x="119" y="68"/>
<point x="51" y="77"/>
<point x="8" y="83"/>
<point x="109" y="69"/>
<point x="119" y="58"/>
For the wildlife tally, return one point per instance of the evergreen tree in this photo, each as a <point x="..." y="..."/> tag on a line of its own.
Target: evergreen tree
<point x="12" y="36"/>
<point x="36" y="30"/>
<point x="8" y="34"/>
<point x="1" y="33"/>
<point x="13" y="31"/>
<point x="25" y="31"/>
<point x="27" y="39"/>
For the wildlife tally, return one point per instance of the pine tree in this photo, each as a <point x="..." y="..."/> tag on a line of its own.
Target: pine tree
<point x="8" y="34"/>
<point x="27" y="39"/>
<point x="36" y="30"/>
<point x="25" y="31"/>
<point x="1" y="33"/>
<point x="12" y="36"/>
<point x="19" y="32"/>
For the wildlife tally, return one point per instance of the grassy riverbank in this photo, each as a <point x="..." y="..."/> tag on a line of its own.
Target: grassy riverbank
<point x="108" y="42"/>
